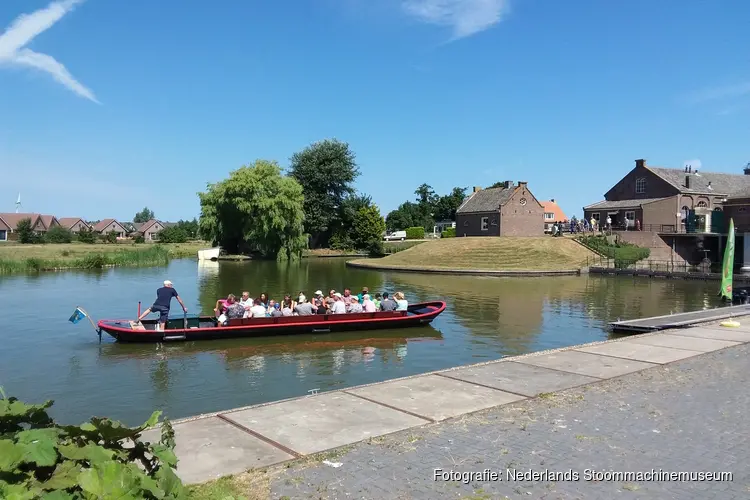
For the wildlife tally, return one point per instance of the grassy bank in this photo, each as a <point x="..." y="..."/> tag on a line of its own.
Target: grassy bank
<point x="16" y="258"/>
<point x="542" y="253"/>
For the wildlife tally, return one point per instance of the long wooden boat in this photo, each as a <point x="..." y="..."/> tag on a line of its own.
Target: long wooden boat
<point x="207" y="327"/>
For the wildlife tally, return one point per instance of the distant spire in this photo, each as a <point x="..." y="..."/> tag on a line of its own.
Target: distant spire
<point x="18" y="203"/>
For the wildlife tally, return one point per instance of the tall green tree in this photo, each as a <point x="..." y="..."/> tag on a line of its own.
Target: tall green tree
<point x="144" y="215"/>
<point x="446" y="206"/>
<point x="256" y="210"/>
<point x="367" y="230"/>
<point x="25" y="231"/>
<point x="327" y="171"/>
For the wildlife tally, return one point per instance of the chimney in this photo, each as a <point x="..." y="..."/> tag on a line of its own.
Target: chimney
<point x="747" y="169"/>
<point x="508" y="184"/>
<point x="552" y="200"/>
<point x="687" y="181"/>
<point x="709" y="186"/>
<point x="477" y="189"/>
<point x="640" y="163"/>
<point x="522" y="183"/>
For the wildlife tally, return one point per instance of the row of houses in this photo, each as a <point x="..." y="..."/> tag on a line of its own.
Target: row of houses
<point x="41" y="223"/>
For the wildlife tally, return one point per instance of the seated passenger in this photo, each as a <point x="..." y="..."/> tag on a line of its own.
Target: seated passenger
<point x="258" y="311"/>
<point x="367" y="304"/>
<point x="402" y="304"/>
<point x="286" y="307"/>
<point x="246" y="301"/>
<point x="319" y="303"/>
<point x="354" y="306"/>
<point x="276" y="311"/>
<point x="304" y="308"/>
<point x="338" y="306"/>
<point x="378" y="299"/>
<point x="221" y="305"/>
<point x="388" y="304"/>
<point x="234" y="310"/>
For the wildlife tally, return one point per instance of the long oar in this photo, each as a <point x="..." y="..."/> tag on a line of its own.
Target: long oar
<point x="88" y="316"/>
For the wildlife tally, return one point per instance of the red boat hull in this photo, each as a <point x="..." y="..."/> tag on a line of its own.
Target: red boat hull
<point x="417" y="315"/>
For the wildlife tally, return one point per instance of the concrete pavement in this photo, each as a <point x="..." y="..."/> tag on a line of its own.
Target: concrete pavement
<point x="237" y="440"/>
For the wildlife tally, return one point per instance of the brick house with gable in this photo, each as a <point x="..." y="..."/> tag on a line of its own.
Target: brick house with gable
<point x="508" y="210"/>
<point x="40" y="224"/>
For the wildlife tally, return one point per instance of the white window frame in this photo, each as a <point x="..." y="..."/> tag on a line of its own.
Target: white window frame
<point x="631" y="213"/>
<point x="640" y="185"/>
<point x="485" y="223"/>
<point x="549" y="215"/>
<point x="4" y="233"/>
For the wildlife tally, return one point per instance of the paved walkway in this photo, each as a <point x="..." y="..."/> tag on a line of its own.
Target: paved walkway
<point x="634" y="423"/>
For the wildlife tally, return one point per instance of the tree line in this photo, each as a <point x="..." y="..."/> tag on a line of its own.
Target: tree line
<point x="261" y="210"/>
<point x="427" y="208"/>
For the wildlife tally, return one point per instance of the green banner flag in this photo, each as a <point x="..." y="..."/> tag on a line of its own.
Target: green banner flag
<point x="727" y="267"/>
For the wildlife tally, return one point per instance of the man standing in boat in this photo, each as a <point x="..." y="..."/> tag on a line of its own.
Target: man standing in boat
<point x="163" y="302"/>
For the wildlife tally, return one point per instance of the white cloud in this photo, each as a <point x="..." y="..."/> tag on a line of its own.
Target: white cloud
<point x="465" y="17"/>
<point x="720" y="93"/>
<point x="24" y="29"/>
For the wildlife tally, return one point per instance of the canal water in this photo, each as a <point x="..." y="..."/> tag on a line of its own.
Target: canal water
<point x="43" y="356"/>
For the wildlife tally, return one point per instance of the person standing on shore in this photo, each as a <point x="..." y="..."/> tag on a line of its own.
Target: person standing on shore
<point x="162" y="304"/>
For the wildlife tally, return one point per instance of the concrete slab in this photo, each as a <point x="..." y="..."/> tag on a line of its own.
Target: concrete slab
<point x="714" y="332"/>
<point x="209" y="448"/>
<point x="436" y="397"/>
<point x="522" y="379"/>
<point x="640" y="352"/>
<point x="744" y="325"/>
<point x="584" y="363"/>
<point x="681" y="342"/>
<point x="319" y="423"/>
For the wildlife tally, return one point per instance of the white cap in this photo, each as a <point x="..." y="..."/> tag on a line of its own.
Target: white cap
<point x="318" y="292"/>
<point x="302" y="297"/>
<point x="167" y="282"/>
<point x="337" y="295"/>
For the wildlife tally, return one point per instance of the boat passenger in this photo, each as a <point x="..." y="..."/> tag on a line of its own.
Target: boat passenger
<point x="246" y="301"/>
<point x="355" y="307"/>
<point x="377" y="300"/>
<point x="362" y="294"/>
<point x="162" y="303"/>
<point x="403" y="305"/>
<point x="221" y="306"/>
<point x="276" y="310"/>
<point x="263" y="299"/>
<point x="286" y="307"/>
<point x="338" y="306"/>
<point x="387" y="304"/>
<point x="367" y="304"/>
<point x="304" y="308"/>
<point x="235" y="310"/>
<point x="330" y="300"/>
<point x="319" y="302"/>
<point x="269" y="309"/>
<point x="258" y="311"/>
<point x="348" y="298"/>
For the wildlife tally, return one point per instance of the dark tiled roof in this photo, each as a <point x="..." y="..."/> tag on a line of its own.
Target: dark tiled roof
<point x="729" y="184"/>
<point x="606" y="205"/>
<point x="486" y="200"/>
<point x="69" y="222"/>
<point x="102" y="225"/>
<point x="12" y="219"/>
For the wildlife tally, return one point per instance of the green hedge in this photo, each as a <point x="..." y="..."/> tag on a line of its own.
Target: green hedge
<point x="449" y="232"/>
<point x="414" y="233"/>
<point x="623" y="254"/>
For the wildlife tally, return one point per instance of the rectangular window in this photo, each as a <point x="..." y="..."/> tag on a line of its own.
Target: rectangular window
<point x="630" y="215"/>
<point x="549" y="215"/>
<point x="595" y="217"/>
<point x="485" y="223"/>
<point x="3" y="235"/>
<point x="640" y="185"/>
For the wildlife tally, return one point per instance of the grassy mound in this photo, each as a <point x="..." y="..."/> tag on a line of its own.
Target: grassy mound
<point x="543" y="253"/>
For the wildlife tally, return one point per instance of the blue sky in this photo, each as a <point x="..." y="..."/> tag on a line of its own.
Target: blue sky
<point x="163" y="97"/>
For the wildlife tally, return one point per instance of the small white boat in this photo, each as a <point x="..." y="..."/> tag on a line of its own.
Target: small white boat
<point x="209" y="253"/>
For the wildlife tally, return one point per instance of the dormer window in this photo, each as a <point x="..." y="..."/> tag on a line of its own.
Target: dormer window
<point x="640" y="185"/>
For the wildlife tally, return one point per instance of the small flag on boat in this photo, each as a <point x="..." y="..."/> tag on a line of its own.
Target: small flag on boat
<point x="77" y="316"/>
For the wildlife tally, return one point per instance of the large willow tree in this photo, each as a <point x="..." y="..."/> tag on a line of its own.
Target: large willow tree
<point x="256" y="210"/>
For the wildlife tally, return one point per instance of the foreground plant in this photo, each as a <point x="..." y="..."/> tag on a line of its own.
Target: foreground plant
<point x="98" y="459"/>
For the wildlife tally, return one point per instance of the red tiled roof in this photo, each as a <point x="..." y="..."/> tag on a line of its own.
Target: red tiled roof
<point x="102" y="225"/>
<point x="12" y="219"/>
<point x="49" y="220"/>
<point x="69" y="222"/>
<point x="143" y="228"/>
<point x="4" y="225"/>
<point x="551" y="206"/>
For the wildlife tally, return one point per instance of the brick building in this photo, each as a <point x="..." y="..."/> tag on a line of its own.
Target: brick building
<point x="508" y="210"/>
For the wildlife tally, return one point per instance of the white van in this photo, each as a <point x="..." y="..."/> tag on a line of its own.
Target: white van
<point x="395" y="236"/>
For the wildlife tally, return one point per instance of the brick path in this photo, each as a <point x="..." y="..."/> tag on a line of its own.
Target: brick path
<point x="687" y="416"/>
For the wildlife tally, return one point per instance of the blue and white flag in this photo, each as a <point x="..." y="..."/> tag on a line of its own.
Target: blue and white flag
<point x="77" y="316"/>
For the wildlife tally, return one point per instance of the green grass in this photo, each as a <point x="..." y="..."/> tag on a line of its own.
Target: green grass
<point x="624" y="254"/>
<point x="15" y="258"/>
<point x="391" y="247"/>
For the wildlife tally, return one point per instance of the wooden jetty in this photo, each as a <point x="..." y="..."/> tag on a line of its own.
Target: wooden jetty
<point x="679" y="320"/>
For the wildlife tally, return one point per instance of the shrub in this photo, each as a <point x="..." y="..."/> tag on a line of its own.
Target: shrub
<point x="172" y="235"/>
<point x="58" y="234"/>
<point x="99" y="459"/>
<point x="449" y="232"/>
<point x="623" y="254"/>
<point x="414" y="233"/>
<point x="110" y="237"/>
<point x="139" y="238"/>
<point x="25" y="231"/>
<point x="86" y="235"/>
<point x="340" y="240"/>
